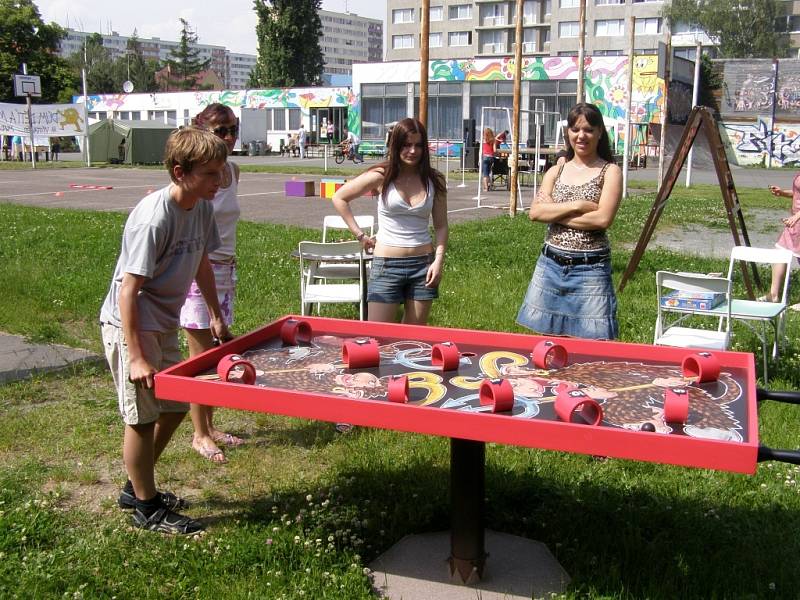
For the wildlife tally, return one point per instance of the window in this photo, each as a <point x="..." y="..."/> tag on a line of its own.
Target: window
<point x="400" y="42"/>
<point x="280" y="119"/>
<point x="381" y="104"/>
<point x="681" y="27"/>
<point x="608" y="2"/>
<point x="609" y="27"/>
<point x="636" y="1"/>
<point x="530" y="12"/>
<point x="568" y="3"/>
<point x="491" y="93"/>
<point x="436" y="13"/>
<point x="493" y="42"/>
<point x="529" y="40"/>
<point x="460" y="11"/>
<point x="402" y="15"/>
<point x="459" y="38"/>
<point x="435" y="40"/>
<point x="492" y="14"/>
<point x="294" y="119"/>
<point x="651" y="26"/>
<point x="607" y="52"/>
<point x="444" y="110"/>
<point x="568" y="29"/>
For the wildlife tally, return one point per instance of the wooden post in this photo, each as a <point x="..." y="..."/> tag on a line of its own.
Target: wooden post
<point x="512" y="204"/>
<point x="423" y="61"/>
<point x="627" y="141"/>
<point x="581" y="50"/>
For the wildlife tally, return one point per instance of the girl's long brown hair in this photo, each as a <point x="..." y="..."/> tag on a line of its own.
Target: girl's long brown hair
<point x="391" y="166"/>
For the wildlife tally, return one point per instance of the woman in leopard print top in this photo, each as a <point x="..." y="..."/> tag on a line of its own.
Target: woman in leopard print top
<point x="571" y="292"/>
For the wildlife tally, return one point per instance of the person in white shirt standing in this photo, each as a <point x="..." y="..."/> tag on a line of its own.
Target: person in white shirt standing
<point x="222" y="122"/>
<point x="301" y="140"/>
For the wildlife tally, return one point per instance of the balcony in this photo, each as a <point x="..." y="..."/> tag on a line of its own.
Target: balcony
<point x="495" y="48"/>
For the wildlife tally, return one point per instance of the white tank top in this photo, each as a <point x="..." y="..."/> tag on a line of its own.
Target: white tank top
<point x="226" y="213"/>
<point x="400" y="224"/>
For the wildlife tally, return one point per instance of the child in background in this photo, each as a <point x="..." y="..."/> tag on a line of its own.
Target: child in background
<point x="789" y="239"/>
<point x="165" y="245"/>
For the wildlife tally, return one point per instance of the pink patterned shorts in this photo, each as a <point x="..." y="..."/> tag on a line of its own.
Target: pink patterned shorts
<point x="194" y="314"/>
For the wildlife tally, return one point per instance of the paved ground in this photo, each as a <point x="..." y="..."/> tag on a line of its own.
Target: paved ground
<point x="262" y="199"/>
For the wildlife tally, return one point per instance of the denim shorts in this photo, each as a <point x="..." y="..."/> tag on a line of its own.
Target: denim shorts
<point x="571" y="299"/>
<point x="486" y="166"/>
<point x="395" y="280"/>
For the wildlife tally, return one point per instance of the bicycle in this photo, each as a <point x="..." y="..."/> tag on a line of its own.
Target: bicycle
<point x="340" y="153"/>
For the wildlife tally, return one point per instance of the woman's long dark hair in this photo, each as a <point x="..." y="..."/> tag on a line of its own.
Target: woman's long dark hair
<point x="595" y="118"/>
<point x="213" y="112"/>
<point x="391" y="166"/>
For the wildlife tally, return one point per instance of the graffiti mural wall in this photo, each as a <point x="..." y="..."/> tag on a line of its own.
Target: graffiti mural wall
<point x="760" y="110"/>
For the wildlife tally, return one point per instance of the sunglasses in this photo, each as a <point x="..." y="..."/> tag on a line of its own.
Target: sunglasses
<point x="223" y="131"/>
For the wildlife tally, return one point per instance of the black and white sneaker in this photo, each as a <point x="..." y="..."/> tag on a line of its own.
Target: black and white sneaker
<point x="127" y="500"/>
<point x="165" y="520"/>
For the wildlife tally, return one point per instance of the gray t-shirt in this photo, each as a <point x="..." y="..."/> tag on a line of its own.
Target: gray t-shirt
<point x="164" y="243"/>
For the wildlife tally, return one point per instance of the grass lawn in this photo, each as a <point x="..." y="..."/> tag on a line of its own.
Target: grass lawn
<point x="300" y="511"/>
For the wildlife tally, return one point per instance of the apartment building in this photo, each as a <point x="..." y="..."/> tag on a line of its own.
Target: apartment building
<point x="486" y="28"/>
<point x="347" y="39"/>
<point x="233" y="69"/>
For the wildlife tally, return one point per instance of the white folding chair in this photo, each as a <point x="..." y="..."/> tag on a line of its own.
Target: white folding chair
<point x="332" y="227"/>
<point x="751" y="312"/>
<point x="316" y="289"/>
<point x="674" y="311"/>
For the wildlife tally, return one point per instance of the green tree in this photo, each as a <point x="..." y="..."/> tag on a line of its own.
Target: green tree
<point x="25" y="38"/>
<point x="136" y="68"/>
<point x="745" y="28"/>
<point x="101" y="75"/>
<point x="288" y="34"/>
<point x="183" y="64"/>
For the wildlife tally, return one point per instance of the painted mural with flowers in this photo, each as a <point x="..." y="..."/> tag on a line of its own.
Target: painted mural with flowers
<point x="605" y="79"/>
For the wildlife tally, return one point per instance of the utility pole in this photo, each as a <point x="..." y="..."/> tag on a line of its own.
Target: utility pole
<point x="512" y="205"/>
<point x="30" y="120"/>
<point x="425" y="13"/>
<point x="627" y="146"/>
<point x="695" y="96"/>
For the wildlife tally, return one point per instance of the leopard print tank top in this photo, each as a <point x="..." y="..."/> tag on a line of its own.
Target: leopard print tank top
<point x="566" y="238"/>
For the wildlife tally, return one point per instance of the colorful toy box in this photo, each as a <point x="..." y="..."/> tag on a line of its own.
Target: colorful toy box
<point x="692" y="300"/>
<point x="328" y="187"/>
<point x="301" y="189"/>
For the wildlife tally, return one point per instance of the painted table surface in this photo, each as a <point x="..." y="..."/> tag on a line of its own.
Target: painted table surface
<point x="628" y="381"/>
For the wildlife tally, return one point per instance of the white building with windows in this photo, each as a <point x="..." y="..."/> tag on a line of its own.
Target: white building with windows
<point x="348" y="39"/>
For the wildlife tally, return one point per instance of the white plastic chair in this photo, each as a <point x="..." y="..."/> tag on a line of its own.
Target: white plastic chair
<point x="670" y="332"/>
<point x="316" y="289"/>
<point x="333" y="226"/>
<point x="751" y="312"/>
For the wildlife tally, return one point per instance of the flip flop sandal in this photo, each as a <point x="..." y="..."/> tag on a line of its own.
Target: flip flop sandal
<point x="228" y="439"/>
<point x="210" y="453"/>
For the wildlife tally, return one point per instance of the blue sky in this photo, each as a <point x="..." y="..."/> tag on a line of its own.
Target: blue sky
<point x="234" y="27"/>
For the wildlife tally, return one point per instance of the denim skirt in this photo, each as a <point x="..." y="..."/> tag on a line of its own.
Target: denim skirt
<point x="576" y="300"/>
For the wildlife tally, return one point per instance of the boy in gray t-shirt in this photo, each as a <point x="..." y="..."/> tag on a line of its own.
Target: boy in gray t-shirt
<point x="165" y="246"/>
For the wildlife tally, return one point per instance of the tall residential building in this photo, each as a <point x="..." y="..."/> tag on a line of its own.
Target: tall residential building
<point x="232" y="68"/>
<point x="486" y="28"/>
<point x="347" y="39"/>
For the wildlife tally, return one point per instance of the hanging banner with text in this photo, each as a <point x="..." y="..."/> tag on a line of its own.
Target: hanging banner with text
<point x="49" y="120"/>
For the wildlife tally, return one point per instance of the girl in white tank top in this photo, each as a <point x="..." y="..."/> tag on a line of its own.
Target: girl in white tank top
<point x="408" y="262"/>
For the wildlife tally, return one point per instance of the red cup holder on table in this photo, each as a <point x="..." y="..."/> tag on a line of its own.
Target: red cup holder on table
<point x="574" y="406"/>
<point x="498" y="394"/>
<point x="398" y="389"/>
<point x="229" y="362"/>
<point x="294" y="332"/>
<point x="361" y="353"/>
<point x="549" y="355"/>
<point x="703" y="366"/>
<point x="446" y="356"/>
<point x="676" y="405"/>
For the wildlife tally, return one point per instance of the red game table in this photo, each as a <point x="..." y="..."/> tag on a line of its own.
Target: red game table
<point x="658" y="404"/>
